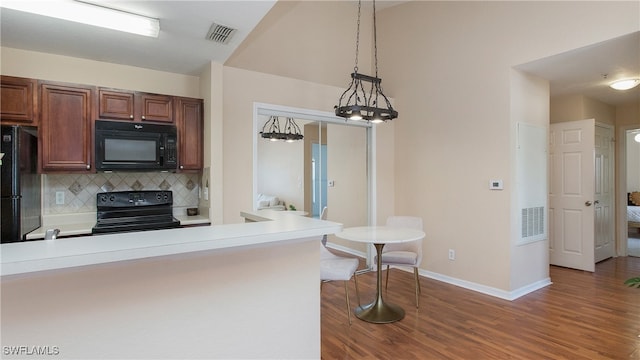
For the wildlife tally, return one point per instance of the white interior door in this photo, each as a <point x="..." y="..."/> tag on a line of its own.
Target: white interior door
<point x="571" y="194"/>
<point x="604" y="196"/>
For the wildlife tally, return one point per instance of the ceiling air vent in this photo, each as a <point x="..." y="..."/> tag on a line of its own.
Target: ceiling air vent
<point x="220" y="33"/>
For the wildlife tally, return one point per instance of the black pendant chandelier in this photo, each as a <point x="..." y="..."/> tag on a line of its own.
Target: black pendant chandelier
<point x="290" y="133"/>
<point x="365" y="102"/>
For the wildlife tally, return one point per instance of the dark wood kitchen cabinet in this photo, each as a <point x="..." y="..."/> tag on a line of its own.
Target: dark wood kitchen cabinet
<point x="65" y="140"/>
<point x="18" y="101"/>
<point x="135" y="106"/>
<point x="190" y="124"/>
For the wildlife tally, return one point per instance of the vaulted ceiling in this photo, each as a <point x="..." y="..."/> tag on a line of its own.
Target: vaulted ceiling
<point x="182" y="46"/>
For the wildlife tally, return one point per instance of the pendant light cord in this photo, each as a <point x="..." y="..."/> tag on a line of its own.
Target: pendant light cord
<point x="375" y="38"/>
<point x="355" y="67"/>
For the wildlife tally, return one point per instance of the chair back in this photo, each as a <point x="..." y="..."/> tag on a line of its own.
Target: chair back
<point x="325" y="254"/>
<point x="412" y="222"/>
<point x="323" y="216"/>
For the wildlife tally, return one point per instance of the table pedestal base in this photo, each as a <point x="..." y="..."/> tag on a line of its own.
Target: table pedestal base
<point x="380" y="313"/>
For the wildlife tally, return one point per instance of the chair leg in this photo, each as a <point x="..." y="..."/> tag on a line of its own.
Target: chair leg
<point x="355" y="279"/>
<point x="418" y="290"/>
<point x="386" y="283"/>
<point x="346" y="293"/>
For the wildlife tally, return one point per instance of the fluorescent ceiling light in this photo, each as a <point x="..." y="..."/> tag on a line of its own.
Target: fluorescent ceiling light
<point x="625" y="84"/>
<point x="89" y="14"/>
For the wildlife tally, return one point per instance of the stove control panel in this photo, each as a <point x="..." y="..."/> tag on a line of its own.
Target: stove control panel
<point x="134" y="198"/>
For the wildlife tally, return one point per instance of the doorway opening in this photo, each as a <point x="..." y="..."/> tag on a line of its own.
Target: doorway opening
<point x="633" y="191"/>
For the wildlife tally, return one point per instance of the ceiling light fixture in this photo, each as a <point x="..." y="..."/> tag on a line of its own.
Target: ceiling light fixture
<point x="358" y="102"/>
<point x="90" y="14"/>
<point x="625" y="84"/>
<point x="271" y="130"/>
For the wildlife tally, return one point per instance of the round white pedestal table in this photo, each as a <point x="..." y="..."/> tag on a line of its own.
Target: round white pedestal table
<point x="379" y="311"/>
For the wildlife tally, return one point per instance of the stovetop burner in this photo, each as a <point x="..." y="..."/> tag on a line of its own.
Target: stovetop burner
<point x="121" y="211"/>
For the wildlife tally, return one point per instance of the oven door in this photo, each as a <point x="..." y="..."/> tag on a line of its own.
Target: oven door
<point x="120" y="150"/>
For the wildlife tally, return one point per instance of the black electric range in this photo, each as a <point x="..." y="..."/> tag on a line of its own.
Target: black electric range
<point x="121" y="211"/>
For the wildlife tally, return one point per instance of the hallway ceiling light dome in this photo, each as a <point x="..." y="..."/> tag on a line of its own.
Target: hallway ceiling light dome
<point x="625" y="84"/>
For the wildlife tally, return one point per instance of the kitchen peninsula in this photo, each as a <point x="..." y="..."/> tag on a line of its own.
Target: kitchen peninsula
<point x="246" y="290"/>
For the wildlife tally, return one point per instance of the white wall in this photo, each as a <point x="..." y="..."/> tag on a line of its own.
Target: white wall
<point x="51" y="67"/>
<point x="212" y="81"/>
<point x="529" y="106"/>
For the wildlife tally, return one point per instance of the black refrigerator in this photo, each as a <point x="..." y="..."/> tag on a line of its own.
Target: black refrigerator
<point x="20" y="183"/>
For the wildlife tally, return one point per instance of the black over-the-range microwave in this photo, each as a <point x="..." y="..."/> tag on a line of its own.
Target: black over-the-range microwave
<point x="124" y="146"/>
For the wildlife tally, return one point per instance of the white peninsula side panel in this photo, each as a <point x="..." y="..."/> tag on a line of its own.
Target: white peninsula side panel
<point x="248" y="302"/>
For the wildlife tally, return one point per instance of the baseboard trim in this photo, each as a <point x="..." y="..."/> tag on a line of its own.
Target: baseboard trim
<point x="487" y="290"/>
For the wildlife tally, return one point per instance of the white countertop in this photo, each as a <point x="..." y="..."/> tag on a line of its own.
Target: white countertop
<point x="32" y="256"/>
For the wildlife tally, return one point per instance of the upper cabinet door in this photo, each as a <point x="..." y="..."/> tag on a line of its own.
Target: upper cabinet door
<point x="65" y="128"/>
<point x="118" y="105"/>
<point x="135" y="106"/>
<point x="18" y="101"/>
<point x="156" y="108"/>
<point x="190" y="123"/>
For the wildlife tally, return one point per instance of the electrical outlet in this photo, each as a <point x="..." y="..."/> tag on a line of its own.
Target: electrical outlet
<point x="59" y="197"/>
<point x="452" y="254"/>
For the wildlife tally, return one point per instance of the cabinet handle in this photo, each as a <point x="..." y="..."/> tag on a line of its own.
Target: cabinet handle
<point x="130" y="116"/>
<point x="88" y="166"/>
<point x="143" y="117"/>
<point x="181" y="166"/>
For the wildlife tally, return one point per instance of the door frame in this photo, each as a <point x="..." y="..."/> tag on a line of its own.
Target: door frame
<point x="621" y="189"/>
<point x="265" y="109"/>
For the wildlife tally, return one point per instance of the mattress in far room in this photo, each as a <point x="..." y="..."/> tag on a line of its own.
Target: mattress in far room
<point x="633" y="213"/>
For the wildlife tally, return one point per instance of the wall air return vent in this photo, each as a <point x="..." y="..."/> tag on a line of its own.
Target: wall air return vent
<point x="220" y="33"/>
<point x="532" y="222"/>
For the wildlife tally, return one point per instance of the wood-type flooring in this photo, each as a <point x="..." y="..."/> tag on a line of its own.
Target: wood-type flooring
<point x="582" y="315"/>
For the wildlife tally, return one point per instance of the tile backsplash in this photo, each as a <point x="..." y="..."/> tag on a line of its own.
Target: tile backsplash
<point x="80" y="189"/>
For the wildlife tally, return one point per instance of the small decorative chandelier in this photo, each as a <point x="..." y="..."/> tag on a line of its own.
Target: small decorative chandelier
<point x="271" y="130"/>
<point x="358" y="102"/>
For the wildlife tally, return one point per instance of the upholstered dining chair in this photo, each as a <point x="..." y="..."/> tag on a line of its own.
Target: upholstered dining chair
<point x="323" y="216"/>
<point x="334" y="267"/>
<point x="407" y="254"/>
